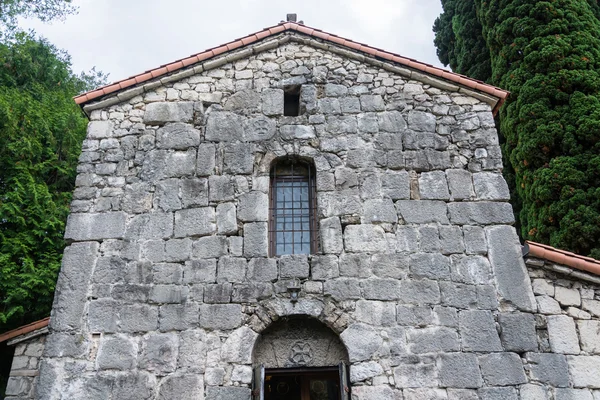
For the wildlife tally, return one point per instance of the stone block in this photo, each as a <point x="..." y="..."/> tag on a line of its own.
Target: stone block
<point x="293" y="266"/>
<point x="419" y="292"/>
<point x="389" y="266"/>
<point x="362" y="342"/>
<point x="324" y="267"/>
<point x="350" y="105"/>
<point x="220" y="316"/>
<point x="498" y="393"/>
<point x="272" y="102"/>
<point x="342" y="202"/>
<point x="509" y="269"/>
<point x="219" y="293"/>
<point x="226" y="219"/>
<point x="156" y="225"/>
<point x="192" y="350"/>
<point x="331" y="235"/>
<point x="220" y="188"/>
<point x="432" y="340"/>
<point x="138" y="318"/>
<point x="238" y="158"/>
<point x="364" y="238"/>
<point x="109" y="270"/>
<point x="355" y="265"/>
<point x="429" y="265"/>
<point x="533" y="392"/>
<point x="573" y="394"/>
<point x="167" y="273"/>
<point x="406" y="239"/>
<point x="343" y="288"/>
<point x="210" y="247"/>
<point x="256" y="243"/>
<point x="253" y="207"/>
<point x="178" y="317"/>
<point x="490" y="186"/>
<point x="460" y="183"/>
<point x="381" y="289"/>
<point x="429" y="239"/>
<point x="227" y="393"/>
<point x="181" y="387"/>
<point x="367" y="123"/>
<point x="102" y="315"/>
<point x="584" y="371"/>
<point x="95" y="226"/>
<point x="363" y="371"/>
<point x="372" y="103"/>
<point x="416" y="316"/>
<point x="481" y="213"/>
<point x="244" y="101"/>
<point x="77" y="265"/>
<point x="200" y="271"/>
<point x="99" y="129"/>
<point x="379" y="210"/>
<point x="478" y="331"/>
<point x="205" y="164"/>
<point x="168" y="293"/>
<point x="195" y="222"/>
<point x="517" y="332"/>
<point x="231" y="269"/>
<point x="422" y="211"/>
<point x="239" y="345"/>
<point x="475" y="242"/>
<point x="433" y="186"/>
<point x="159" y="352"/>
<point x="458" y="295"/>
<point x="57" y="344"/>
<point x="562" y="334"/>
<point x="177" y="136"/>
<point x="160" y="113"/>
<point x="415" y="374"/>
<point x="262" y="270"/>
<point x="547" y="305"/>
<point x="258" y="129"/>
<point x="341" y="125"/>
<point x="475" y="270"/>
<point x="458" y="370"/>
<point x="291" y="132"/>
<point x="589" y="336"/>
<point x="502" y="369"/>
<point x="451" y="238"/>
<point x="117" y="352"/>
<point x="462" y="394"/>
<point x="375" y="313"/>
<point x="166" y="196"/>
<point x="194" y="192"/>
<point x="329" y="106"/>
<point x="391" y="121"/>
<point x="128" y="386"/>
<point x="567" y="297"/>
<point x="421" y="121"/>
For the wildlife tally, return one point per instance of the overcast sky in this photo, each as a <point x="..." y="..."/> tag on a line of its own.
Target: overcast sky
<point x="127" y="37"/>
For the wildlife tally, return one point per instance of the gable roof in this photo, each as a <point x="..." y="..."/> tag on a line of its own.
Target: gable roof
<point x="563" y="257"/>
<point x="22" y="330"/>
<point x="348" y="44"/>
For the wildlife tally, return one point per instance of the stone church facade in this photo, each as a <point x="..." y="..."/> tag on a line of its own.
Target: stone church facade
<point x="300" y="211"/>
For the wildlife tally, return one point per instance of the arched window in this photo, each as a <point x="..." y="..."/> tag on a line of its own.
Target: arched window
<point x="292" y="226"/>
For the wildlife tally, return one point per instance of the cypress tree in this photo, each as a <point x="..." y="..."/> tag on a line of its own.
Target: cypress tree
<point x="547" y="54"/>
<point x="459" y="40"/>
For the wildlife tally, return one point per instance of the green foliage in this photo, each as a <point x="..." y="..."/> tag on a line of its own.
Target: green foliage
<point x="459" y="40"/>
<point x="45" y="10"/>
<point x="41" y="130"/>
<point x="547" y="54"/>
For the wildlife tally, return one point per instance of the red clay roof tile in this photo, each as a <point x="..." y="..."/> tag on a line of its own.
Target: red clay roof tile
<point x="34" y="326"/>
<point x="563" y="257"/>
<point x="460" y="79"/>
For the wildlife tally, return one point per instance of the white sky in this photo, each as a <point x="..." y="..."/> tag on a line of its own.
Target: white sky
<point x="127" y="37"/>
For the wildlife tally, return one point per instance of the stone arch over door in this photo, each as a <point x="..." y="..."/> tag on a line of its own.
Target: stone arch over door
<point x="299" y="341"/>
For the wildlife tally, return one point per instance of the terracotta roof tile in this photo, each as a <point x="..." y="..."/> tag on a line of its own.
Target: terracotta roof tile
<point x="270" y="31"/>
<point x="564" y="257"/>
<point x="34" y="326"/>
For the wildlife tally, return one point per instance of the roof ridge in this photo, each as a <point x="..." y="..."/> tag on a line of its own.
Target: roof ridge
<point x="301" y="28"/>
<point x="33" y="326"/>
<point x="564" y="257"/>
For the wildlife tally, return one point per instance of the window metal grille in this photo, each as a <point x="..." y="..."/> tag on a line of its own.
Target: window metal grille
<point x="292" y="227"/>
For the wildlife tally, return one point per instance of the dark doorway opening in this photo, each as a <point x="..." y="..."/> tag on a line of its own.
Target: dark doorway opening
<point x="291" y="100"/>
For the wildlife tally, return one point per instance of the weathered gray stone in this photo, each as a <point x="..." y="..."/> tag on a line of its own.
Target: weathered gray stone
<point x="475" y="242"/>
<point x="459" y="370"/>
<point x="238" y="158"/>
<point x="231" y="269"/>
<point x="367" y="123"/>
<point x="227" y="393"/>
<point x="502" y="369"/>
<point x="363" y="371"/>
<point x="99" y="129"/>
<point x="195" y="222"/>
<point x="117" y="352"/>
<point x="258" y="129"/>
<point x="451" y="240"/>
<point x="293" y="266"/>
<point x="219" y="293"/>
<point x="177" y="136"/>
<point x="490" y="186"/>
<point x="168" y="293"/>
<point x="375" y="313"/>
<point x="220" y="188"/>
<point x="458" y="295"/>
<point x="498" y="393"/>
<point x="389" y="266"/>
<point x="584" y="371"/>
<point x="182" y="387"/>
<point x="192" y="349"/>
<point x="422" y="211"/>
<point x="396" y="185"/>
<point x="419" y="292"/>
<point x="356" y="265"/>
<point x="290" y="132"/>
<point x="226" y="219"/>
<point x="262" y="269"/>
<point x="167" y="273"/>
<point x="342" y="288"/>
<point x="57" y="344"/>
<point x="573" y="394"/>
<point x="159" y="352"/>
<point x="223" y="126"/>
<point x="239" y="345"/>
<point x="359" y="238"/>
<point x="421" y="121"/>
<point x="253" y="207"/>
<point x="433" y="186"/>
<point x="430" y="265"/>
<point x="567" y="297"/>
<point x="91" y="226"/>
<point x="272" y="102"/>
<point x="517" y="332"/>
<point x="77" y="266"/>
<point x="406" y="239"/>
<point x="220" y="316"/>
<point x="416" y="316"/>
<point x="391" y="121"/>
<point x="256" y="242"/>
<point x="379" y="210"/>
<point x="478" y="331"/>
<point x="460" y="183"/>
<point x="372" y="103"/>
<point x="413" y="374"/>
<point x="200" y="271"/>
<point x="156" y="225"/>
<point x="432" y="340"/>
<point x="161" y="113"/>
<point x="362" y="341"/>
<point x="509" y="269"/>
<point x="480" y="213"/>
<point x="133" y="386"/>
<point x="210" y="247"/>
<point x="205" y="164"/>
<point x="178" y="316"/>
<point x="589" y="336"/>
<point x="562" y="334"/>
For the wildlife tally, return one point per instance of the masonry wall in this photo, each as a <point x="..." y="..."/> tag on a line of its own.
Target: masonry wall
<point x="167" y="283"/>
<point x="24" y="370"/>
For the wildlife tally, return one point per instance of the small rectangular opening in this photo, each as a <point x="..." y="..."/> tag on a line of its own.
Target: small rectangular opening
<point x="291" y="101"/>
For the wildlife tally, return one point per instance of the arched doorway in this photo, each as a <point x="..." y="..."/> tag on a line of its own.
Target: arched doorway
<point x="299" y="358"/>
